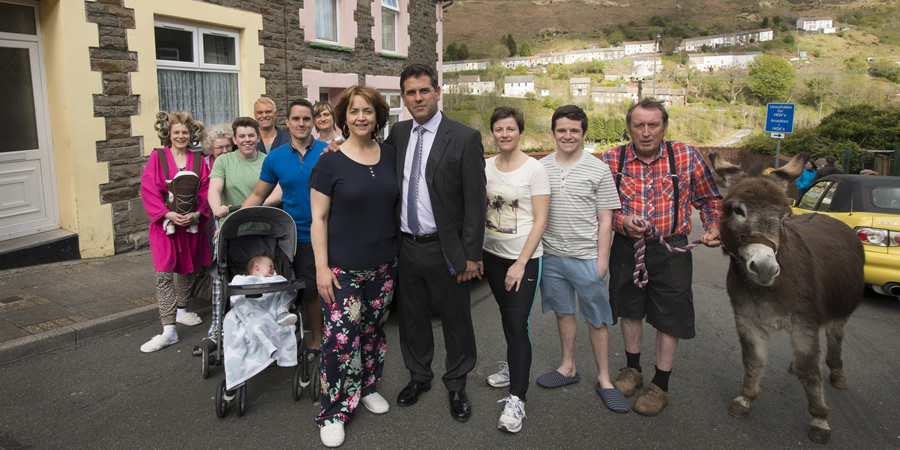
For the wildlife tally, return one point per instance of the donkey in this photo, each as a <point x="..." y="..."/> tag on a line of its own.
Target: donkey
<point x="800" y="274"/>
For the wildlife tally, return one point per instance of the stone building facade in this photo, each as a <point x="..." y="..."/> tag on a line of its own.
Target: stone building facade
<point x="101" y="69"/>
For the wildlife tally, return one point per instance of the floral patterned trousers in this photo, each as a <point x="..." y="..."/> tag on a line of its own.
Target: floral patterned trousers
<point x="354" y="344"/>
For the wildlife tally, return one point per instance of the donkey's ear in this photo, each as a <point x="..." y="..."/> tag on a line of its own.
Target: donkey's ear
<point x="790" y="171"/>
<point x="729" y="172"/>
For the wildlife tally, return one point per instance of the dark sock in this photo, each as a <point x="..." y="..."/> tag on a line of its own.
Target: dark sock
<point x="661" y="379"/>
<point x="633" y="360"/>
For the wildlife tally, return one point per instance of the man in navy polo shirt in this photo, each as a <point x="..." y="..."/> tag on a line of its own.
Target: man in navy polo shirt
<point x="288" y="167"/>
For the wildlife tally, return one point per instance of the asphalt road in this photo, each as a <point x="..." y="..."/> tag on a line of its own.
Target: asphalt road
<point x="106" y="394"/>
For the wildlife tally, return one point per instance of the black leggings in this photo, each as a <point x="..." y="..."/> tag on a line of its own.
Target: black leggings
<point x="515" y="311"/>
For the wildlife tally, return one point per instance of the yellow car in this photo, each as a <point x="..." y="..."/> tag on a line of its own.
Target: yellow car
<point x="871" y="206"/>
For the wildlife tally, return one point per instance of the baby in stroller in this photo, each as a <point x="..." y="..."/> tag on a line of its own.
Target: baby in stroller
<point x="259" y="328"/>
<point x="261" y="266"/>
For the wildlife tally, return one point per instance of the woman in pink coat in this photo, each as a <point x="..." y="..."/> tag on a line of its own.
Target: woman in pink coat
<point x="186" y="250"/>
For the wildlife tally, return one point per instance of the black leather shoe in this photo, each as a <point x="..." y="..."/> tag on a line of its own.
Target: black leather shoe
<point x="410" y="394"/>
<point x="459" y="406"/>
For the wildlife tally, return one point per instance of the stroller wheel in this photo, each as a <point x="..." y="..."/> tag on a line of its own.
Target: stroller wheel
<point x="242" y="400"/>
<point x="221" y="403"/>
<point x="314" y="381"/>
<point x="297" y="386"/>
<point x="204" y="362"/>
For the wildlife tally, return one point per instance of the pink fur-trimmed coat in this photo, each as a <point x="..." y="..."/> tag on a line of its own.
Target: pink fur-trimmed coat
<point x="181" y="252"/>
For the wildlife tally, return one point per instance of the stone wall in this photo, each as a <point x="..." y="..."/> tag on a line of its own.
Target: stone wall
<point x="286" y="55"/>
<point x="116" y="105"/>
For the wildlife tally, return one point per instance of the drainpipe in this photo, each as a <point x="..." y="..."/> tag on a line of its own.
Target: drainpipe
<point x="896" y="164"/>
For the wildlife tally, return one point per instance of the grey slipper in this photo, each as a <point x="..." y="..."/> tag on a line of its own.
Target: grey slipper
<point x="554" y="379"/>
<point x="614" y="400"/>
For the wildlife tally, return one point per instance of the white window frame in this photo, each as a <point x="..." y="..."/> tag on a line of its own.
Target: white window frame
<point x="197" y="31"/>
<point x="336" y="8"/>
<point x="198" y="65"/>
<point x="391" y="7"/>
<point x="398" y="111"/>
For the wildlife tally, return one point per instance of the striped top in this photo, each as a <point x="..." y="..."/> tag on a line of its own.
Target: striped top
<point x="577" y="192"/>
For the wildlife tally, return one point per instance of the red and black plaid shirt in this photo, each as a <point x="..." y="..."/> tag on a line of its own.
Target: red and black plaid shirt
<point x="646" y="190"/>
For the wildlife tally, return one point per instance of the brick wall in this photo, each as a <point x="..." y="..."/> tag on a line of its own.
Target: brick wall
<point x="286" y="54"/>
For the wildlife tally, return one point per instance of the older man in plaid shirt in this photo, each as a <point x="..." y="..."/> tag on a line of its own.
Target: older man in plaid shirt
<point x="658" y="181"/>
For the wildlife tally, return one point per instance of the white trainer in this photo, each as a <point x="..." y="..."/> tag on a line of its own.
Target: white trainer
<point x="513" y="414"/>
<point x="190" y="319"/>
<point x="332" y="435"/>
<point x="501" y="378"/>
<point x="375" y="403"/>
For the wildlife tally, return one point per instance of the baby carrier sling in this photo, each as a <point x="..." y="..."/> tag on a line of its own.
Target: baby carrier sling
<point x="183" y="188"/>
<point x="672" y="173"/>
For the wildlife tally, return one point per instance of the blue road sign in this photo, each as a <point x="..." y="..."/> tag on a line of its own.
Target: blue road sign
<point x="780" y="118"/>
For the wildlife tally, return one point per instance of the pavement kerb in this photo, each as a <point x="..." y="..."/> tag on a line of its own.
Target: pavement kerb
<point x="78" y="333"/>
<point x="62" y="337"/>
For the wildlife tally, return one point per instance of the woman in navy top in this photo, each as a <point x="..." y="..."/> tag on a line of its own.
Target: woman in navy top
<point x="354" y="195"/>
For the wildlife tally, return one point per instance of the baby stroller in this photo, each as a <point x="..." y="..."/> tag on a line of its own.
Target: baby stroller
<point x="247" y="233"/>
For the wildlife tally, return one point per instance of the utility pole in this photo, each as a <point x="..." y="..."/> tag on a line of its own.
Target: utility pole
<point x="655" y="59"/>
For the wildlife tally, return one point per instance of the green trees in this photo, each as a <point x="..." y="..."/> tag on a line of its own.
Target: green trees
<point x="510" y="44"/>
<point x="865" y="125"/>
<point x="770" y="78"/>
<point x="526" y="49"/>
<point x="456" y="53"/>
<point x="887" y="70"/>
<point x="451" y="53"/>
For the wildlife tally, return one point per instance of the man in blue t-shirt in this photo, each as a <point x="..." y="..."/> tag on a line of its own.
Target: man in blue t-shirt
<point x="288" y="168"/>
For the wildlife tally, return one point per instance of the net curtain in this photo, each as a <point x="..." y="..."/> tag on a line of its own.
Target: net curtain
<point x="211" y="97"/>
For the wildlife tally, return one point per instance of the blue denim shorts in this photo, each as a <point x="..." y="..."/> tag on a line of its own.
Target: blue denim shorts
<point x="562" y="278"/>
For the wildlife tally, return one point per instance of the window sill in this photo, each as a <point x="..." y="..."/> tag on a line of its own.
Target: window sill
<point x="391" y="55"/>
<point x="330" y="46"/>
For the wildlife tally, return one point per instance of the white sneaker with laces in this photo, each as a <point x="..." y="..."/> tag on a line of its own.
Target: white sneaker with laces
<point x="375" y="403"/>
<point x="501" y="378"/>
<point x="513" y="413"/>
<point x="190" y="319"/>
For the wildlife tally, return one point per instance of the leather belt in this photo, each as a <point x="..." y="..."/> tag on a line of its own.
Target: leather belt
<point x="423" y="238"/>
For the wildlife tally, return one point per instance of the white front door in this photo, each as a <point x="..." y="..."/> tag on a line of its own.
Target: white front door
<point x="27" y="193"/>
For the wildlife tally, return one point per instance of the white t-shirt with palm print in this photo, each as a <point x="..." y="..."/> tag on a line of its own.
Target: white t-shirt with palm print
<point x="510" y="215"/>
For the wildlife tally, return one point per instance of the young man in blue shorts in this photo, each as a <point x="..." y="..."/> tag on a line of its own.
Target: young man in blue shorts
<point x="576" y="251"/>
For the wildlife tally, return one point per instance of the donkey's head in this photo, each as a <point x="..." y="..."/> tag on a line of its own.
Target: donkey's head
<point x="753" y="213"/>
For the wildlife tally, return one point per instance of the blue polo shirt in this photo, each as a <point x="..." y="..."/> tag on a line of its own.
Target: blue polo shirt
<point x="285" y="166"/>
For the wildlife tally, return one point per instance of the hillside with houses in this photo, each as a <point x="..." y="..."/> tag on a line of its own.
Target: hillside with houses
<point x="709" y="81"/>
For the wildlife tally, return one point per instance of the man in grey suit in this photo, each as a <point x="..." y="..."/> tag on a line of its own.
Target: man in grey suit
<point x="440" y="168"/>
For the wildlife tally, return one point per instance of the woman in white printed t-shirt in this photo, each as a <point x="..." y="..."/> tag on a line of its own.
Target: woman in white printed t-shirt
<point x="518" y="200"/>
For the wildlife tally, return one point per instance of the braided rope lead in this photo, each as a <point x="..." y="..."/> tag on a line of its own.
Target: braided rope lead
<point x="641" y="277"/>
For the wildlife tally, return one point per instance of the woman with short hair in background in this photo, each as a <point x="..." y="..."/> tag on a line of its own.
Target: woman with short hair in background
<point x="216" y="141"/>
<point x="323" y="119"/>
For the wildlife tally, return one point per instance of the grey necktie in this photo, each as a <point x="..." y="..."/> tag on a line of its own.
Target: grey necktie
<point x="412" y="199"/>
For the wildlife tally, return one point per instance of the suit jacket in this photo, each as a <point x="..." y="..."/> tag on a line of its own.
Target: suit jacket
<point x="455" y="177"/>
